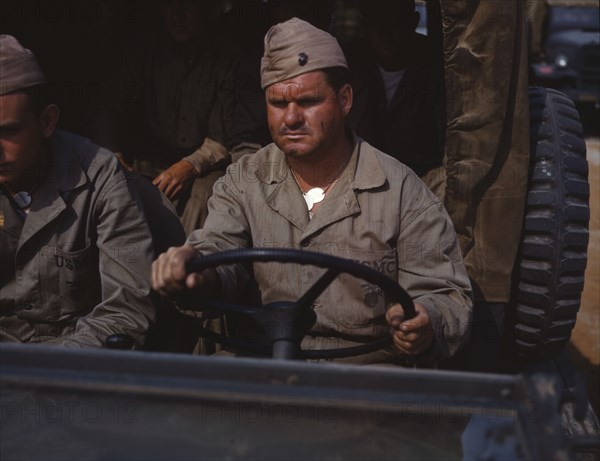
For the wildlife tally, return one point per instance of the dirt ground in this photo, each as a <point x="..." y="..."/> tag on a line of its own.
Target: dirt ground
<point x="585" y="340"/>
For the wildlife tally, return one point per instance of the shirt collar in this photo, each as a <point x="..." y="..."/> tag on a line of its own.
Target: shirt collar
<point x="65" y="168"/>
<point x="366" y="169"/>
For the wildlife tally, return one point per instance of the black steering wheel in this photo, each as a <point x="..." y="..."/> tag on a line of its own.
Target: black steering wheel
<point x="288" y="321"/>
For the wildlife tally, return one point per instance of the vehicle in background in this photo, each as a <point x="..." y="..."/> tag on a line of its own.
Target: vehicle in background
<point x="568" y="55"/>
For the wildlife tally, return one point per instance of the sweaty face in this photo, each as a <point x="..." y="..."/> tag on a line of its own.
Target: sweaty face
<point x="21" y="140"/>
<point x="305" y="115"/>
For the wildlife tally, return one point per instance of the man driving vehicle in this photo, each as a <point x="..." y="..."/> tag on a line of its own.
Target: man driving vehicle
<point x="320" y="188"/>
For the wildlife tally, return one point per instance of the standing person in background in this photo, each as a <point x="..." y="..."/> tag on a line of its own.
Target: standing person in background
<point x="399" y="105"/>
<point x="168" y="111"/>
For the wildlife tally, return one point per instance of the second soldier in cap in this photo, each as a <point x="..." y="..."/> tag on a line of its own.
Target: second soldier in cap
<point x="75" y="246"/>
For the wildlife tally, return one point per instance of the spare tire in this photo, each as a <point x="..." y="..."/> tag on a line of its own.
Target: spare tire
<point x="553" y="251"/>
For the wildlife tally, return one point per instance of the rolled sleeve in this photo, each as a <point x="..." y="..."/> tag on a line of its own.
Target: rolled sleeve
<point x="207" y="156"/>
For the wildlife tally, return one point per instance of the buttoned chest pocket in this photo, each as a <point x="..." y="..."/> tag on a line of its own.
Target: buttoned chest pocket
<point x="69" y="282"/>
<point x="356" y="303"/>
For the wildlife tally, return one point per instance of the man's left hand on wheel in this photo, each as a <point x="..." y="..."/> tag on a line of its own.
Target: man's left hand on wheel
<point x="413" y="336"/>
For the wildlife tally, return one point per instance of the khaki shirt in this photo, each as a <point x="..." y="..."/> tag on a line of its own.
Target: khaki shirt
<point x="379" y="213"/>
<point x="77" y="269"/>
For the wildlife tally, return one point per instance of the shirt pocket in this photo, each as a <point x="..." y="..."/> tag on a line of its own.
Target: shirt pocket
<point x="69" y="282"/>
<point x="355" y="303"/>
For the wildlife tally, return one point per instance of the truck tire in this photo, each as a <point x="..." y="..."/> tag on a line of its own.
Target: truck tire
<point x="553" y="251"/>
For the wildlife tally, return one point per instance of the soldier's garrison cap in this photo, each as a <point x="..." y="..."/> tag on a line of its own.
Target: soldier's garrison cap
<point x="19" y="68"/>
<point x="296" y="47"/>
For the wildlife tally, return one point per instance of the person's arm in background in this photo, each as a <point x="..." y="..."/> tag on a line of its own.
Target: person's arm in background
<point x="212" y="153"/>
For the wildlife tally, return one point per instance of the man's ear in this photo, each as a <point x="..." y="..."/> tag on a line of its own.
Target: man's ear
<point x="49" y="119"/>
<point x="345" y="97"/>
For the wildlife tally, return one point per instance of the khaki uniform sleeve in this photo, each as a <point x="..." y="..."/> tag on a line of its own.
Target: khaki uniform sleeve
<point x="226" y="228"/>
<point x="207" y="156"/>
<point x="245" y="148"/>
<point x="432" y="268"/>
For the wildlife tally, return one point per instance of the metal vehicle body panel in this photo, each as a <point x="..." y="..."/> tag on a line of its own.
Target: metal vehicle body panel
<point x="60" y="404"/>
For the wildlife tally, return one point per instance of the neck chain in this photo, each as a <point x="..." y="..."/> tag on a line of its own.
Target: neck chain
<point x="317" y="194"/>
<point x="20" y="201"/>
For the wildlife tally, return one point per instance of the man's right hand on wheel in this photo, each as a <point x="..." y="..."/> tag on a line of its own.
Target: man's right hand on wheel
<point x="170" y="277"/>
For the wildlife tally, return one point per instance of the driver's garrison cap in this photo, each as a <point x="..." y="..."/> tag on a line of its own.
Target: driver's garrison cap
<point x="295" y="47"/>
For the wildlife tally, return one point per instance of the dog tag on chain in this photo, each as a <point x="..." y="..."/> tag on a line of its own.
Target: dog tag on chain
<point x="22" y="200"/>
<point x="313" y="196"/>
